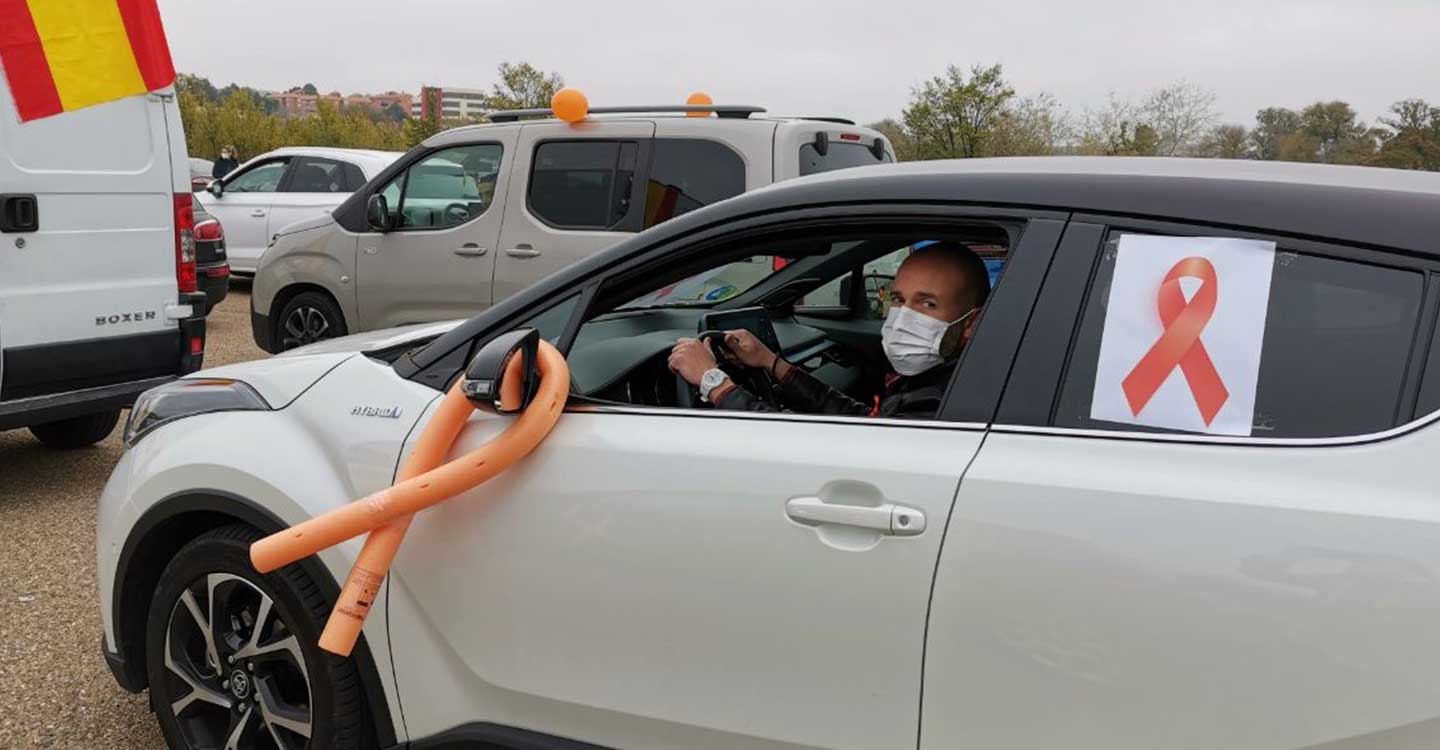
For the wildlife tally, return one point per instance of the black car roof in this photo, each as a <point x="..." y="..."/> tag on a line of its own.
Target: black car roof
<point x="1388" y="208"/>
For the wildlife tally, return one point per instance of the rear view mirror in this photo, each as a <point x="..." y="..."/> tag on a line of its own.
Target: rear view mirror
<point x="377" y="213"/>
<point x="503" y="376"/>
<point x="216" y="188"/>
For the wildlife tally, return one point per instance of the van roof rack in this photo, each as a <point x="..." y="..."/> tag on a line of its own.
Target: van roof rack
<point x="836" y="120"/>
<point x="737" y="111"/>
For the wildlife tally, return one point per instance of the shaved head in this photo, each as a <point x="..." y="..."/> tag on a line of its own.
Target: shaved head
<point x="944" y="281"/>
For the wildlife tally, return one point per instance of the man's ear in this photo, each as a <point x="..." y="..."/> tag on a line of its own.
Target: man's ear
<point x="970" y="324"/>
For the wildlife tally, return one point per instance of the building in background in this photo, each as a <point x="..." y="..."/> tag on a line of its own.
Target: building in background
<point x="455" y="103"/>
<point x="296" y="103"/>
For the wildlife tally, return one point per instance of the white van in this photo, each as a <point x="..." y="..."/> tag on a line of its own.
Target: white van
<point x="475" y="214"/>
<point x="98" y="296"/>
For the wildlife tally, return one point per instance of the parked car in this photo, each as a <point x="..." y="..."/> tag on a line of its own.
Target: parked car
<point x="200" y="173"/>
<point x="98" y="298"/>
<point x="212" y="268"/>
<point x="1009" y="573"/>
<point x="280" y="187"/>
<point x="422" y="242"/>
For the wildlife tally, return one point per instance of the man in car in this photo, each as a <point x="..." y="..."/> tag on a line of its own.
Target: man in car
<point x="937" y="293"/>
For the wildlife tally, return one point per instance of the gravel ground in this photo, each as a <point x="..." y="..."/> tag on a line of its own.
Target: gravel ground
<point x="55" y="691"/>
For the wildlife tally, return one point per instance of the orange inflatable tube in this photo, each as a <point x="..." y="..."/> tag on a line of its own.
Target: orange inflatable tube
<point x="421" y="483"/>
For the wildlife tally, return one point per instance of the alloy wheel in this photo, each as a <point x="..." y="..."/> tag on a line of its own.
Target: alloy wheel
<point x="304" y="325"/>
<point x="236" y="677"/>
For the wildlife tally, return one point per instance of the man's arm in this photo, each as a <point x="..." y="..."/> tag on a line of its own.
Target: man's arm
<point x="800" y="391"/>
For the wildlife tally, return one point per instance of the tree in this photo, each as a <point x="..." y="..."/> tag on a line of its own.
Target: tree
<point x="310" y="89"/>
<point x="1337" y="136"/>
<point x="523" y="86"/>
<point x="1181" y="114"/>
<point x="1120" y="129"/>
<point x="197" y="86"/>
<point x="955" y="116"/>
<point x="428" y="123"/>
<point x="1226" y="142"/>
<point x="1275" y="135"/>
<point x="1414" y="140"/>
<point x="1032" y="126"/>
<point x="396" y="113"/>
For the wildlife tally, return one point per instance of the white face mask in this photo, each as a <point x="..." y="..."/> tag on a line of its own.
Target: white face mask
<point x="912" y="340"/>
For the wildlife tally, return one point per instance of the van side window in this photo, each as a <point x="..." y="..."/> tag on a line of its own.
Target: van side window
<point x="686" y="174"/>
<point x="1337" y="342"/>
<point x="354" y="178"/>
<point x="583" y="184"/>
<point x="262" y="178"/>
<point x="445" y="189"/>
<point x="839" y="155"/>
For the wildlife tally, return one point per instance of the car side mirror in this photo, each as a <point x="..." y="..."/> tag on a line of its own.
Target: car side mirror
<point x="216" y="188"/>
<point x="503" y="376"/>
<point x="377" y="213"/>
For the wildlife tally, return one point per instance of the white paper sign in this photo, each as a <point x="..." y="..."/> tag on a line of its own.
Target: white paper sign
<point x="1183" y="333"/>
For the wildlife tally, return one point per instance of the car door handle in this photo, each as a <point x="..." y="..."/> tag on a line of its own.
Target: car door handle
<point x="258" y="213"/>
<point x="887" y="518"/>
<point x="522" y="251"/>
<point x="470" y="250"/>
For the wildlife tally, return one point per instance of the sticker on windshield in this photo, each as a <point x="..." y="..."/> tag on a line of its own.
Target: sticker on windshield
<point x="1184" y="327"/>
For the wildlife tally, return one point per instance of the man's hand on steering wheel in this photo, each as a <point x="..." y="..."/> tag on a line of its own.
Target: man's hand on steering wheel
<point x="690" y="359"/>
<point x="749" y="350"/>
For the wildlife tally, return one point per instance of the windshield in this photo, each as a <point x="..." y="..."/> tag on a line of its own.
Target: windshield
<point x="714" y="285"/>
<point x="839" y="155"/>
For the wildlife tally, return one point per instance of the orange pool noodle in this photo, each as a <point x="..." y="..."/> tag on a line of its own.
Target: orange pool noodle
<point x="421" y="482"/>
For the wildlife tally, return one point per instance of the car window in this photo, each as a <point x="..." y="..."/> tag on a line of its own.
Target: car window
<point x="446" y="188"/>
<point x="713" y="285"/>
<point x="583" y="184"/>
<point x="354" y="177"/>
<point x="839" y="155"/>
<point x="312" y="175"/>
<point x="879" y="275"/>
<point x="1337" y="341"/>
<point x="262" y="178"/>
<point x="686" y="174"/>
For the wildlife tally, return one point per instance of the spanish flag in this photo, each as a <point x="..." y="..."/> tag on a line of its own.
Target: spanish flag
<point x="61" y="55"/>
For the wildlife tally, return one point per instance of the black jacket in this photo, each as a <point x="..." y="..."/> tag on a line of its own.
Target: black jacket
<point x="223" y="167"/>
<point x="916" y="397"/>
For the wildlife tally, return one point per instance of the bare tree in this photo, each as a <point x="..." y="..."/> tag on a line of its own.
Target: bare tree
<point x="1032" y="126"/>
<point x="1227" y="142"/>
<point x="1118" y="129"/>
<point x="1181" y="114"/>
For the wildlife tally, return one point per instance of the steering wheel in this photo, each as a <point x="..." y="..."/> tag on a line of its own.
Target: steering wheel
<point x="457" y="213"/>
<point x="756" y="382"/>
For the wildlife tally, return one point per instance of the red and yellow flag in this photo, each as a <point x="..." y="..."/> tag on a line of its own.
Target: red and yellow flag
<point x="61" y="55"/>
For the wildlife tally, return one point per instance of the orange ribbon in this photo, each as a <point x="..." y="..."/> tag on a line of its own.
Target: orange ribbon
<point x="1179" y="344"/>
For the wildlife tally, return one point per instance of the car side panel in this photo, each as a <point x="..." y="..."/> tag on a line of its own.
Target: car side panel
<point x="1104" y="593"/>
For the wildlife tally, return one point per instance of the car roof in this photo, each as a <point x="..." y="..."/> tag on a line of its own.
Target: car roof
<point x="384" y="157"/>
<point x="461" y="133"/>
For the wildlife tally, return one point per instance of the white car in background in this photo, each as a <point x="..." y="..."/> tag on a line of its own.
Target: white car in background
<point x="280" y="187"/>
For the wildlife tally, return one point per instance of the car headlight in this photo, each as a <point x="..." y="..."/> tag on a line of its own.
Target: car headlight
<point x="187" y="398"/>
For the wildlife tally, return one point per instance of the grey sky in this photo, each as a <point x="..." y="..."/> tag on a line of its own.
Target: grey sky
<point x="839" y="57"/>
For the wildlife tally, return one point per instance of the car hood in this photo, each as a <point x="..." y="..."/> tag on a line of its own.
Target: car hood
<point x="386" y="339"/>
<point x="279" y="380"/>
<point x="304" y="225"/>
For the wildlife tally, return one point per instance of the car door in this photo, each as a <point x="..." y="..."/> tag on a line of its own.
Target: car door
<point x="1110" y="586"/>
<point x="577" y="189"/>
<point x="647" y="579"/>
<point x="243" y="208"/>
<point x="437" y="262"/>
<point x="312" y="186"/>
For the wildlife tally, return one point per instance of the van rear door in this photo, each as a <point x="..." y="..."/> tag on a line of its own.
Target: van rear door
<point x="84" y="295"/>
<point x="806" y="147"/>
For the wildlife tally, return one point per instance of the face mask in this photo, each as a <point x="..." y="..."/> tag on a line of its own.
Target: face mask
<point x="912" y="340"/>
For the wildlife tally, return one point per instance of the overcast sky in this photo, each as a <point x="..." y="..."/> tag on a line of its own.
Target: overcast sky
<point x="839" y="57"/>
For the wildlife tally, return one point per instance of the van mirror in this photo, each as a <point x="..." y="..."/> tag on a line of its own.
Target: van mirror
<point x="505" y="373"/>
<point x="216" y="188"/>
<point x="377" y="213"/>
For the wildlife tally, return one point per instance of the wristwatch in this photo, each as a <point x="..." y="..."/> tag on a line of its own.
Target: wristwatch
<point x="711" y="379"/>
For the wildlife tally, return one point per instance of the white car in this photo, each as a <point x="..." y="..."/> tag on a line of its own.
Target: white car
<point x="1007" y="571"/>
<point x="475" y="214"/>
<point x="278" y="188"/>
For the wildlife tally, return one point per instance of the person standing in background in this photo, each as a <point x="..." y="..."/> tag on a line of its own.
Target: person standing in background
<point x="226" y="163"/>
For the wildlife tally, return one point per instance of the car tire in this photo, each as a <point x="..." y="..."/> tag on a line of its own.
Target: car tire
<point x="264" y="682"/>
<point x="76" y="432"/>
<point x="308" y="317"/>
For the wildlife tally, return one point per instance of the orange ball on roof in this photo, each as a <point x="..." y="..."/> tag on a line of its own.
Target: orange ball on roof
<point x="699" y="99"/>
<point x="570" y="105"/>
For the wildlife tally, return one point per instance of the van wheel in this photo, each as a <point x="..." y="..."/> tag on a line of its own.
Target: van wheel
<point x="232" y="655"/>
<point x="76" y="432"/>
<point x="307" y="318"/>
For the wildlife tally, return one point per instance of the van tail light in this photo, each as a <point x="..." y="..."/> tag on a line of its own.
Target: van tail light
<point x="185" y="242"/>
<point x="209" y="231"/>
<point x="777" y="263"/>
<point x="849" y="137"/>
